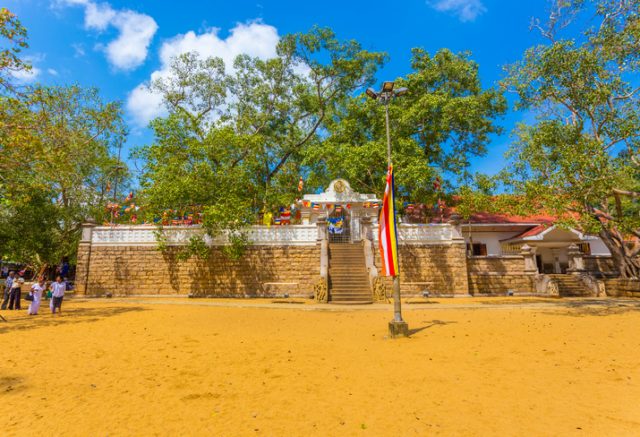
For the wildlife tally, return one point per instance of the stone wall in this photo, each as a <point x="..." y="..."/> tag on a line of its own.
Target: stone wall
<point x="440" y="269"/>
<point x="497" y="275"/>
<point x="619" y="287"/>
<point x="599" y="265"/>
<point x="144" y="270"/>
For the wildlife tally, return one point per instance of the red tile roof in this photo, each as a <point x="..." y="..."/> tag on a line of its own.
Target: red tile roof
<point x="494" y="218"/>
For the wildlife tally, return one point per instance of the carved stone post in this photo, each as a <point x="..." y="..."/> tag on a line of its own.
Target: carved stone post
<point x="322" y="228"/>
<point x="530" y="266"/>
<point x="454" y="222"/>
<point x="365" y="228"/>
<point x="84" y="258"/>
<point x="321" y="289"/>
<point x="576" y="260"/>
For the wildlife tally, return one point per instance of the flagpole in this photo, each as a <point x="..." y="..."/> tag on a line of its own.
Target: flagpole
<point x="397" y="327"/>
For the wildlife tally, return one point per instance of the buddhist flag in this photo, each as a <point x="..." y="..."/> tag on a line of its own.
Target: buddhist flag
<point x="387" y="234"/>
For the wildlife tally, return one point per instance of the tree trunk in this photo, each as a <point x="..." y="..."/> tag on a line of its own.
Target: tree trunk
<point x="627" y="266"/>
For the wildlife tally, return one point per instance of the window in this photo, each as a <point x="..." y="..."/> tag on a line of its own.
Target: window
<point x="585" y="248"/>
<point x="477" y="249"/>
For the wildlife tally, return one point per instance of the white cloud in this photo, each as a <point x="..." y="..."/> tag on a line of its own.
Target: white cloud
<point x="465" y="10"/>
<point x="254" y="38"/>
<point x="26" y="76"/>
<point x="144" y="105"/>
<point x="129" y="50"/>
<point x="52" y="72"/>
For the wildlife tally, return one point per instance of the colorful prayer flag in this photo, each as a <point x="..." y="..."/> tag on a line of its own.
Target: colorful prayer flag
<point x="437" y="184"/>
<point x="316" y="207"/>
<point x="387" y="232"/>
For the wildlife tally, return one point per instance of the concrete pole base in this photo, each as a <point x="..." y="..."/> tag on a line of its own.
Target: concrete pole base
<point x="398" y="329"/>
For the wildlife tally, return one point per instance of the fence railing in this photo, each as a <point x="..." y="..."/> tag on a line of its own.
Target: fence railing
<point x="299" y="235"/>
<point x="417" y="234"/>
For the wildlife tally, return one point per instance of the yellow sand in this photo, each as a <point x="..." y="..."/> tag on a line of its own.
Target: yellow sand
<point x="181" y="368"/>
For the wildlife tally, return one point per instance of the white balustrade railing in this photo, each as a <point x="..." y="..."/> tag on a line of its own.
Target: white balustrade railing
<point x="298" y="235"/>
<point x="419" y="234"/>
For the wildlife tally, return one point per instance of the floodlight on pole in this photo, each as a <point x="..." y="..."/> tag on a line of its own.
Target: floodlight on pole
<point x="397" y="327"/>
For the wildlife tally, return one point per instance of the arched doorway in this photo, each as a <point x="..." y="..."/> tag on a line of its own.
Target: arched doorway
<point x="339" y="225"/>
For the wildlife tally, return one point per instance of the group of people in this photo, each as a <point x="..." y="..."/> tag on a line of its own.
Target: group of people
<point x="13" y="294"/>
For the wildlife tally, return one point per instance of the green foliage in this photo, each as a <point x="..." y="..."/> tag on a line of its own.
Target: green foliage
<point x="55" y="143"/>
<point x="14" y="39"/>
<point x="579" y="161"/>
<point x="445" y="118"/>
<point x="235" y="142"/>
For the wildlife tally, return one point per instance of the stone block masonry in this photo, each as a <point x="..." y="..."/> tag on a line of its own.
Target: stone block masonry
<point x="488" y="275"/>
<point x="440" y="269"/>
<point x="144" y="270"/>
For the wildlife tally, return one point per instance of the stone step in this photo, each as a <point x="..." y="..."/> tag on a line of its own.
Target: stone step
<point x="349" y="284"/>
<point x="348" y="269"/>
<point x="350" y="291"/>
<point x="351" y="296"/>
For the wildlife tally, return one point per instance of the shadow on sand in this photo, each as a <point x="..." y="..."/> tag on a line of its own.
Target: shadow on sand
<point x="596" y="307"/>
<point x="430" y="324"/>
<point x="18" y="320"/>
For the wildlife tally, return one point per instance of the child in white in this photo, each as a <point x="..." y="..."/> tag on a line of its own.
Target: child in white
<point x="36" y="291"/>
<point x="57" y="294"/>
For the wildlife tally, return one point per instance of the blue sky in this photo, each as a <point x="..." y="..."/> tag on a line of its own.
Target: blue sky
<point x="117" y="46"/>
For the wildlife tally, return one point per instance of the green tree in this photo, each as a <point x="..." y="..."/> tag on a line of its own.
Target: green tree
<point x="579" y="160"/>
<point x="56" y="142"/>
<point x="236" y="136"/>
<point x="14" y="38"/>
<point x="445" y="118"/>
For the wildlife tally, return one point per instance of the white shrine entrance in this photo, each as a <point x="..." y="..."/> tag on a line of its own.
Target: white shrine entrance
<point x="342" y="208"/>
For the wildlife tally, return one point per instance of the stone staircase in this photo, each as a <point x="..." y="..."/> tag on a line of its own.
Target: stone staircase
<point x="348" y="276"/>
<point x="570" y="286"/>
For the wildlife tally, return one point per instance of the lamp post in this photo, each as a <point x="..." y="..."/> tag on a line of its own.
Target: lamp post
<point x="397" y="327"/>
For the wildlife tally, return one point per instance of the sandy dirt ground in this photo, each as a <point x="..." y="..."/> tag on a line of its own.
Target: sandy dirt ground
<point x="141" y="367"/>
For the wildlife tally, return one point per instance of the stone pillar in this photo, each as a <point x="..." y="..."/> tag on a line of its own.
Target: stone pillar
<point x="555" y="253"/>
<point x="365" y="228"/>
<point x="322" y="228"/>
<point x="530" y="266"/>
<point x="458" y="257"/>
<point x="84" y="258"/>
<point x="454" y="222"/>
<point x="576" y="260"/>
<point x="305" y="216"/>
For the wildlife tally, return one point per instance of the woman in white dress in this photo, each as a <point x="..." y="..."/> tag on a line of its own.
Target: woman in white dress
<point x="36" y="291"/>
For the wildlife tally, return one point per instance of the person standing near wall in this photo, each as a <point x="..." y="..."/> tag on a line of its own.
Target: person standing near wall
<point x="57" y="294"/>
<point x="15" y="293"/>
<point x="7" y="289"/>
